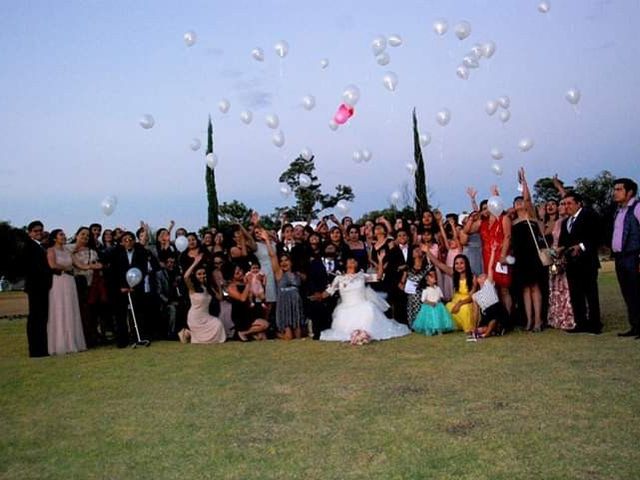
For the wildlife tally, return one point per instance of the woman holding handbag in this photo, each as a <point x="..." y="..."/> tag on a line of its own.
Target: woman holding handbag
<point x="529" y="269"/>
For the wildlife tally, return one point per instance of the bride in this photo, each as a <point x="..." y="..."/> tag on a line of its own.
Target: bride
<point x="360" y="308"/>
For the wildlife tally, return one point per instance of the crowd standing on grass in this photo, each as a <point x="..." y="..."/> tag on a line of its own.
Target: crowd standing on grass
<point x="484" y="273"/>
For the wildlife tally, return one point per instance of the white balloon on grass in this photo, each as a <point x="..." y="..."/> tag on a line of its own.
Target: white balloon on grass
<point x="285" y="190"/>
<point x="544" y="6"/>
<point x="212" y="160"/>
<point x="496" y="154"/>
<point x="224" y="105"/>
<point x="504" y="101"/>
<point x="504" y="116"/>
<point x="394" y="40"/>
<point x="304" y="180"/>
<point x="181" y="243"/>
<point x="462" y="30"/>
<point x="257" y="54"/>
<point x="278" y="139"/>
<point x="308" y="102"/>
<point x="496" y="168"/>
<point x="272" y="120"/>
<point x="324" y="63"/>
<point x="462" y="72"/>
<point x="488" y="49"/>
<point x="281" y="48"/>
<point x="443" y="117"/>
<point x="357" y="156"/>
<point x="491" y="107"/>
<point x="383" y="59"/>
<point x="108" y="205"/>
<point x="378" y="44"/>
<point x="495" y="204"/>
<point x="572" y="96"/>
<point x="440" y="26"/>
<point x="390" y="81"/>
<point x="134" y="277"/>
<point x="366" y="154"/>
<point x="146" y="121"/>
<point x="425" y="139"/>
<point x="470" y="61"/>
<point x="246" y="116"/>
<point x="525" y="144"/>
<point x="306" y="153"/>
<point x="342" y="207"/>
<point x="351" y="95"/>
<point x="190" y="38"/>
<point x="195" y="144"/>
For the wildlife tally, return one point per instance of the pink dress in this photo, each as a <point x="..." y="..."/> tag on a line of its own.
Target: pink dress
<point x="64" y="328"/>
<point x="204" y="327"/>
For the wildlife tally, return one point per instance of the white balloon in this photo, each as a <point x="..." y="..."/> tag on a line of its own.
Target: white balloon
<point x="257" y="54"/>
<point x="224" y="105"/>
<point x="520" y="187"/>
<point x="134" y="277"/>
<point x="378" y="44"/>
<point x="495" y="204"/>
<point x="572" y="96"/>
<point x="308" y="102"/>
<point x="366" y="154"/>
<point x="306" y="153"/>
<point x="324" y="63"/>
<point x="246" y="116"/>
<point x="343" y="207"/>
<point x="462" y="29"/>
<point x="504" y="116"/>
<point x="443" y="117"/>
<point x="304" y="180"/>
<point x="525" y="144"/>
<point x="278" y="139"/>
<point x="357" y="156"/>
<point x="272" y="120"/>
<point x="383" y="59"/>
<point x="496" y="154"/>
<point x="411" y="167"/>
<point x="470" y="61"/>
<point x="395" y="197"/>
<point x="181" y="243"/>
<point x="544" y="6"/>
<point x="190" y="38"/>
<point x="212" y="160"/>
<point x="390" y="81"/>
<point x="425" y="139"/>
<point x="195" y="144"/>
<point x="285" y="190"/>
<point x="351" y="95"/>
<point x="504" y="101"/>
<point x="394" y="40"/>
<point x="496" y="168"/>
<point x="477" y="51"/>
<point x="440" y="26"/>
<point x="488" y="49"/>
<point x="281" y="48"/>
<point x="108" y="205"/>
<point x="333" y="125"/>
<point x="491" y="107"/>
<point x="146" y="121"/>
<point x="462" y="72"/>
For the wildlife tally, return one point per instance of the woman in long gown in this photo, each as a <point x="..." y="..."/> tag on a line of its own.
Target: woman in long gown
<point x="203" y="327"/>
<point x="360" y="308"/>
<point x="64" y="327"/>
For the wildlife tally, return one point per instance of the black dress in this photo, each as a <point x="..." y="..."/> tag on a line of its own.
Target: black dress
<point x="528" y="270"/>
<point x="243" y="314"/>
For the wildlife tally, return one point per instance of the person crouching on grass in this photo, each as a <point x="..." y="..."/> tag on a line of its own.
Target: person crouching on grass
<point x="490" y="315"/>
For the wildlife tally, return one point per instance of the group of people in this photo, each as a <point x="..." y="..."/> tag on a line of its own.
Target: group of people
<point x="480" y="272"/>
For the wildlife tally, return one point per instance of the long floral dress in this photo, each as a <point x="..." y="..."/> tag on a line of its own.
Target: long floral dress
<point x="414" y="300"/>
<point x="560" y="313"/>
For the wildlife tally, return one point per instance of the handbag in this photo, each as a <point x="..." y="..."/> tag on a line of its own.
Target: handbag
<point x="544" y="254"/>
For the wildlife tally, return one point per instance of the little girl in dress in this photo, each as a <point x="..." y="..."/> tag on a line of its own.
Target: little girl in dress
<point x="256" y="281"/>
<point x="433" y="317"/>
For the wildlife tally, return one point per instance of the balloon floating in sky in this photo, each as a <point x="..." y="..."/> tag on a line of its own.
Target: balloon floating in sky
<point x="246" y="116"/>
<point x="395" y="197"/>
<point x="496" y="154"/>
<point x="462" y="72"/>
<point x="351" y="95"/>
<point x="378" y="44"/>
<point x="525" y="144"/>
<point x="272" y="120"/>
<point x="108" y="205"/>
<point x="324" y="63"/>
<point x="357" y="156"/>
<point x="390" y="81"/>
<point x="304" y="180"/>
<point x="462" y="30"/>
<point x="212" y="160"/>
<point x="343" y="207"/>
<point x="281" y="48"/>
<point x="495" y="204"/>
<point x="572" y="96"/>
<point x="411" y="167"/>
<point x="470" y="61"/>
<point x="488" y="49"/>
<point x="333" y="125"/>
<point x="146" y="121"/>
<point x="344" y="113"/>
<point x="190" y="38"/>
<point x="491" y="107"/>
<point x="278" y="139"/>
<point x="195" y="144"/>
<point x="504" y="101"/>
<point x="285" y="190"/>
<point x="544" y="6"/>
<point x="224" y="105"/>
<point x="181" y="243"/>
<point x="257" y="54"/>
<point x="496" y="168"/>
<point x="443" y="117"/>
<point x="476" y="51"/>
<point x="425" y="139"/>
<point x="383" y="59"/>
<point x="504" y="116"/>
<point x="440" y="26"/>
<point x="306" y="153"/>
<point x="394" y="40"/>
<point x="366" y="154"/>
<point x="308" y="102"/>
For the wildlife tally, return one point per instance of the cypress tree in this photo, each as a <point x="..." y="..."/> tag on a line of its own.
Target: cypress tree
<point x="421" y="198"/>
<point x="210" y="179"/>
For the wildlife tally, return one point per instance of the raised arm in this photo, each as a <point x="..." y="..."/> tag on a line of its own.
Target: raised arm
<point x="472" y="192"/>
<point x="436" y="261"/>
<point x="275" y="265"/>
<point x="559" y="185"/>
<point x="249" y="241"/>
<point x="526" y="194"/>
<point x="189" y="272"/>
<point x="506" y="242"/>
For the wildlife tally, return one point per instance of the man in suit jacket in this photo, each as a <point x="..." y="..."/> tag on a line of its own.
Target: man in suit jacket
<point x="580" y="239"/>
<point x="38" y="279"/>
<point x="129" y="255"/>
<point x="398" y="262"/>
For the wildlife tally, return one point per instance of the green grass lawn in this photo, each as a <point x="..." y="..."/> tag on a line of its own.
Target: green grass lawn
<point x="526" y="406"/>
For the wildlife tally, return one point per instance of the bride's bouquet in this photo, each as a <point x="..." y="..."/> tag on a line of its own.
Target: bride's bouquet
<point x="360" y="337"/>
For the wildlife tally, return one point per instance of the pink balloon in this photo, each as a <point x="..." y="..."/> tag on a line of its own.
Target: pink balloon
<point x="344" y="113"/>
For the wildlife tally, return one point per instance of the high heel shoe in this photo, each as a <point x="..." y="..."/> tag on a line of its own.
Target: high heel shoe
<point x="537" y="329"/>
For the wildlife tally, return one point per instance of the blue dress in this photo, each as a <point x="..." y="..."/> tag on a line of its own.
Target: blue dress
<point x="432" y="320"/>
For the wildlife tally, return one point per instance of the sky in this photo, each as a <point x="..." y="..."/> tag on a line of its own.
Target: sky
<point x="76" y="77"/>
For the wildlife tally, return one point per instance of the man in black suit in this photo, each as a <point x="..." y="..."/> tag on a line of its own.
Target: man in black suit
<point x="579" y="240"/>
<point x="129" y="255"/>
<point x="38" y="279"/>
<point x="398" y="261"/>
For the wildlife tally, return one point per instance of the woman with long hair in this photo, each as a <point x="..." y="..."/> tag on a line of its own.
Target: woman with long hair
<point x="357" y="247"/>
<point x="413" y="282"/>
<point x="249" y="320"/>
<point x="194" y="249"/>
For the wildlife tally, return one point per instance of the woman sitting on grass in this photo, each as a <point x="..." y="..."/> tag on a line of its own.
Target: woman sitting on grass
<point x="249" y="320"/>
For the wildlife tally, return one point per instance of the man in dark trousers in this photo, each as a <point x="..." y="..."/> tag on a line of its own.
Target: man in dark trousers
<point x="398" y="261"/>
<point x="579" y="239"/>
<point x="129" y="255"/>
<point x="625" y="245"/>
<point x="38" y="279"/>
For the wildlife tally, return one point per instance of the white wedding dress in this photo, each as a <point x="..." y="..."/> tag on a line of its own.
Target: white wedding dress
<point x="360" y="308"/>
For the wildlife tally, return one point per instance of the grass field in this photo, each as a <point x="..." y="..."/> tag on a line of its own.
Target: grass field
<point x="525" y="406"/>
